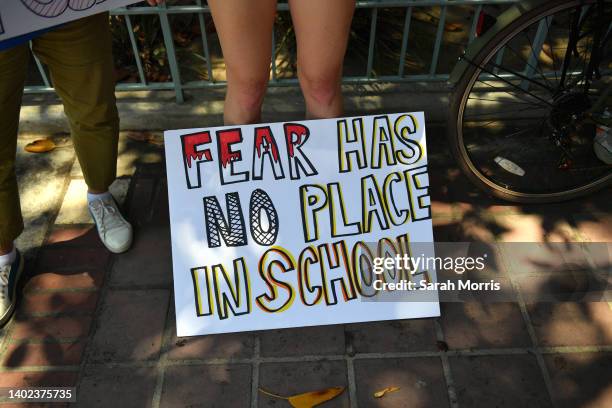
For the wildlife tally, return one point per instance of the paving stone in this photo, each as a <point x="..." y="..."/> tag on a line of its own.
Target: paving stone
<point x="525" y="258"/>
<point x="124" y="387"/>
<point x="230" y="345"/>
<point x="37" y="405"/>
<point x="599" y="256"/>
<point x="580" y="379"/>
<point x="595" y="228"/>
<point x="53" y="260"/>
<point x="41" y="179"/>
<point x="475" y="226"/>
<point x="483" y="325"/>
<point x="226" y="345"/>
<point x="288" y="379"/>
<point x="572" y="324"/>
<point x="161" y="208"/>
<point x="91" y="280"/>
<point x="570" y="286"/>
<point x="440" y="208"/>
<point x="38" y="379"/>
<point x="51" y="327"/>
<point x="209" y="386"/>
<point x="130" y="325"/>
<point x="534" y="228"/>
<point x="43" y="354"/>
<point x="148" y="262"/>
<point x="444" y="227"/>
<point x="392" y="336"/>
<point x="499" y="381"/>
<point x="140" y="205"/>
<point x="58" y="302"/>
<point x="74" y="236"/>
<point x="420" y="380"/>
<point x="598" y="203"/>
<point x="303" y="341"/>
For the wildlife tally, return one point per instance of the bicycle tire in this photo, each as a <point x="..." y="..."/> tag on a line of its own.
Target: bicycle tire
<point x="459" y="98"/>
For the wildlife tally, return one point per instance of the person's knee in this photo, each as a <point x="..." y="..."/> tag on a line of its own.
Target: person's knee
<point x="102" y="115"/>
<point x="248" y="91"/>
<point x="320" y="87"/>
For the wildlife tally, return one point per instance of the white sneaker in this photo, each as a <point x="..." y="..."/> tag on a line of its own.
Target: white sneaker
<point x="114" y="231"/>
<point x="9" y="277"/>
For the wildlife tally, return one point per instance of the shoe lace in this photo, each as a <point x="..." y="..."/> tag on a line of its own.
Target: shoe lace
<point x="106" y="214"/>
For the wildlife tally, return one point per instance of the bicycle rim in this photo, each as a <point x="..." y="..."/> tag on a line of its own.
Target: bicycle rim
<point x="508" y="136"/>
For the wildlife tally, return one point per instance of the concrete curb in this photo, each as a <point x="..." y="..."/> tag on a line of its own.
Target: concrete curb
<point x="158" y="110"/>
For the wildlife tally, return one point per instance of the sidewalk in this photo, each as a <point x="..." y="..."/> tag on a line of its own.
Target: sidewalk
<point x="105" y="323"/>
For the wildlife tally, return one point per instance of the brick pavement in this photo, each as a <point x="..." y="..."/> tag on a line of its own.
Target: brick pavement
<point x="106" y="323"/>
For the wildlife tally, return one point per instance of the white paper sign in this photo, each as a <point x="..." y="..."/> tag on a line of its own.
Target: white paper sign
<point x="19" y="17"/>
<point x="269" y="222"/>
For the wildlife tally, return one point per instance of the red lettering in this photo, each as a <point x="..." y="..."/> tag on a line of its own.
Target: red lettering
<point x="191" y="142"/>
<point x="226" y="139"/>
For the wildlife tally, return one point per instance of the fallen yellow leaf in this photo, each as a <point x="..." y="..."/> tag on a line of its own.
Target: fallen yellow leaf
<point x="314" y="398"/>
<point x="40" y="146"/>
<point x="383" y="392"/>
<point x="309" y="399"/>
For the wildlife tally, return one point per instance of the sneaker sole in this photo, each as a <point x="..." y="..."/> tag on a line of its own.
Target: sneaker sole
<point x="9" y="313"/>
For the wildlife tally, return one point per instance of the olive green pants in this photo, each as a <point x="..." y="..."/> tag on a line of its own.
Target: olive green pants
<point x="80" y="62"/>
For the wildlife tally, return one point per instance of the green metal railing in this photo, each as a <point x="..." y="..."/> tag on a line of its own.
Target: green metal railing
<point x="176" y="84"/>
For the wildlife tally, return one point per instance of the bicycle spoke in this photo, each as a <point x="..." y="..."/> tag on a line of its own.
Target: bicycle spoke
<point x="511" y="94"/>
<point x="495" y="100"/>
<point x="506" y="112"/>
<point x="519" y="75"/>
<point x="516" y="109"/>
<point x="516" y="95"/>
<point x="527" y="64"/>
<point x="537" y="59"/>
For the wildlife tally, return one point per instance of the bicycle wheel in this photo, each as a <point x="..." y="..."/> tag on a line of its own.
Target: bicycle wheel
<point x="525" y="113"/>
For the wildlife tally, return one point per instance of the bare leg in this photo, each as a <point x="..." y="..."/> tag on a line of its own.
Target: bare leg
<point x="245" y="31"/>
<point x="321" y="28"/>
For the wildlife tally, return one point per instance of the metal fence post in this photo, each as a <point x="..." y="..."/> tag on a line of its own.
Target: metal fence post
<point x="171" y="53"/>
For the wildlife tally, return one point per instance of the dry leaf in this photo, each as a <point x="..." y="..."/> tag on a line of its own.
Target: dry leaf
<point x="40" y="146"/>
<point x="309" y="399"/>
<point x="147" y="137"/>
<point x="314" y="398"/>
<point x="383" y="392"/>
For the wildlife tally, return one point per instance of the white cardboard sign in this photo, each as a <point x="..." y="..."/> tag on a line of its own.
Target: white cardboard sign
<point x="19" y="17"/>
<point x="269" y="222"/>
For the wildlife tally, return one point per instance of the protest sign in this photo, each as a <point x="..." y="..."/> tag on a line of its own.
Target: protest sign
<point x="273" y="224"/>
<point x="19" y="17"/>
